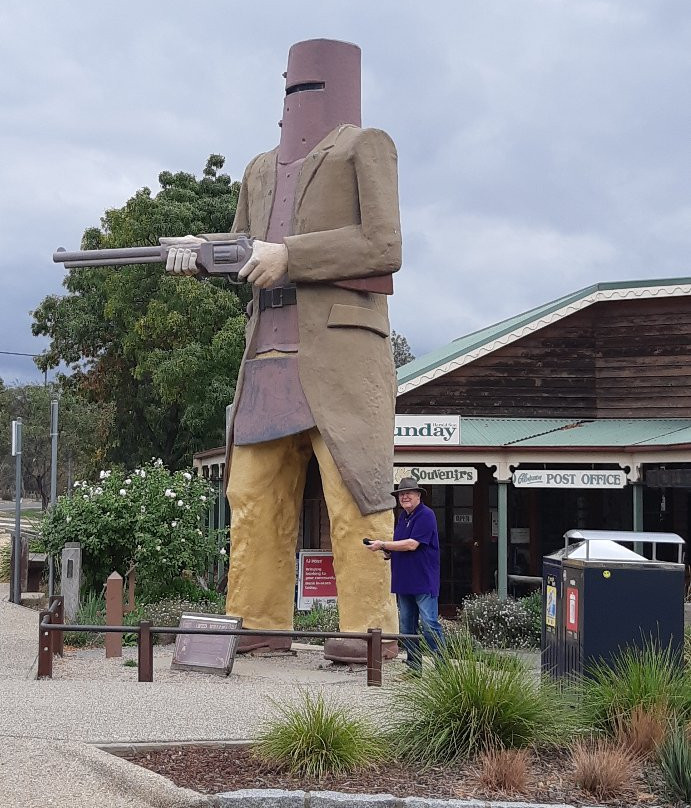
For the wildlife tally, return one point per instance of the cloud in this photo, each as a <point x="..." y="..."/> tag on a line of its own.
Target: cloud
<point x="470" y="271"/>
<point x="543" y="144"/>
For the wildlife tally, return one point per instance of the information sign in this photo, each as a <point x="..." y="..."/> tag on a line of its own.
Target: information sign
<point x="206" y="653"/>
<point x="316" y="579"/>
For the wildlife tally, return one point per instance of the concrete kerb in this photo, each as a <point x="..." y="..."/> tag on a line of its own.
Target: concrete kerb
<point x="277" y="798"/>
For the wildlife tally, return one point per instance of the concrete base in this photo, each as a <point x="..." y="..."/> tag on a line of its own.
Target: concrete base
<point x="34" y="599"/>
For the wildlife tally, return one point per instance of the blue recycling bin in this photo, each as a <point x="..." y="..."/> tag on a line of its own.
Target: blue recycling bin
<point x="599" y="597"/>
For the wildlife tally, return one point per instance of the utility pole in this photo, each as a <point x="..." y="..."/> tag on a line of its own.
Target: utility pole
<point x="53" y="483"/>
<point x="17" y="559"/>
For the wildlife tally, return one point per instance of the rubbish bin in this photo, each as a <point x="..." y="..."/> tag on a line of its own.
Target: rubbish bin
<point x="600" y="597"/>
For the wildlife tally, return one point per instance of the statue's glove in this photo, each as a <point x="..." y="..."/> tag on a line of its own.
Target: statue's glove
<point x="268" y="264"/>
<point x="182" y="258"/>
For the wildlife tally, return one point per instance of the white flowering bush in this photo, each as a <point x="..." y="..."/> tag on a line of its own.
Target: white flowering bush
<point x="497" y="623"/>
<point x="151" y="517"/>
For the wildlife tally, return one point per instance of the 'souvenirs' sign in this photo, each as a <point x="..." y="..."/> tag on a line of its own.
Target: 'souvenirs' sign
<point x="569" y="478"/>
<point x="427" y="430"/>
<point x="437" y="475"/>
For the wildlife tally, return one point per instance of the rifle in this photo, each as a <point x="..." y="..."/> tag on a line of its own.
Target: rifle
<point x="214" y="258"/>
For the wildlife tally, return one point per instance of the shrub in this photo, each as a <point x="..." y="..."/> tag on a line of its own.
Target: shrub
<point x="151" y="517"/>
<point x="318" y="618"/>
<point x="168" y="612"/>
<point x="602" y="770"/>
<point x="503" y="770"/>
<point x="647" y="678"/>
<point x="313" y="738"/>
<point x="91" y="612"/>
<point x="183" y="588"/>
<point x="675" y="762"/>
<point x="532" y="603"/>
<point x="498" y="623"/>
<point x="468" y="702"/>
<point x="642" y="732"/>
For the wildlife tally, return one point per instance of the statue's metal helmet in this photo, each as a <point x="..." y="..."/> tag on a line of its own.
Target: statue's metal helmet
<point x="322" y="92"/>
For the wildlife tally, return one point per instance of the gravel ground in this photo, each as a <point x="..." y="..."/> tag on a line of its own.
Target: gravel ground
<point x="97" y="700"/>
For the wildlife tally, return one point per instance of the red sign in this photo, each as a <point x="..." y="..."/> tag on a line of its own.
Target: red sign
<point x="571" y="608"/>
<point x="316" y="578"/>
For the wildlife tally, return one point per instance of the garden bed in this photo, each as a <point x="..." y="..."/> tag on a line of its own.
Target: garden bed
<point x="211" y="770"/>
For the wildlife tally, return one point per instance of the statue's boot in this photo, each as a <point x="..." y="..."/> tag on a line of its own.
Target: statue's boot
<point x="254" y="642"/>
<point x="354" y="652"/>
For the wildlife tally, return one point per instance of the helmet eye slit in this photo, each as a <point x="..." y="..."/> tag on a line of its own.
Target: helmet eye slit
<point x="308" y="85"/>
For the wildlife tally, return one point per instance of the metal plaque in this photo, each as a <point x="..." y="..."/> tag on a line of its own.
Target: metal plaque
<point x="206" y="653"/>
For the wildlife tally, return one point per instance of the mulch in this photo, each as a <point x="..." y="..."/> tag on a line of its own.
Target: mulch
<point x="211" y="770"/>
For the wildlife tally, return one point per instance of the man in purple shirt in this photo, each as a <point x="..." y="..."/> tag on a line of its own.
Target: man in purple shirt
<point x="415" y="570"/>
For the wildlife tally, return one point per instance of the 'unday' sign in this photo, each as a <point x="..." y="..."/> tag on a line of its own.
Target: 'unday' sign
<point x="568" y="478"/>
<point x="427" y="430"/>
<point x="437" y="475"/>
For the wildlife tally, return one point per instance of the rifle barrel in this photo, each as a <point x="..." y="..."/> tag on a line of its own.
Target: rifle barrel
<point x="87" y="257"/>
<point x="115" y="262"/>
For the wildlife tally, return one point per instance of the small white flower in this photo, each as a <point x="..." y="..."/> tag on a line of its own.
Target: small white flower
<point x="158" y="547"/>
<point x="222" y="551"/>
<point x="143" y="509"/>
<point x="180" y="503"/>
<point x="199" y="533"/>
<point x="187" y="507"/>
<point x="203" y="498"/>
<point x="187" y="475"/>
<point x="182" y="540"/>
<point x="69" y="519"/>
<point x="158" y="462"/>
<point x="123" y="493"/>
<point x="102" y="475"/>
<point x="77" y="484"/>
<point x="143" y="474"/>
<point x="128" y="481"/>
<point x="85" y="496"/>
<point x="174" y="523"/>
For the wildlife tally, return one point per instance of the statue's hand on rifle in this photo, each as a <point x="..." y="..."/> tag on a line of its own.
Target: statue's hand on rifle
<point x="182" y="258"/>
<point x="268" y="264"/>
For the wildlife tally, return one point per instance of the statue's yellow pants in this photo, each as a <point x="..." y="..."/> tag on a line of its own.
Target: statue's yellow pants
<point x="265" y="492"/>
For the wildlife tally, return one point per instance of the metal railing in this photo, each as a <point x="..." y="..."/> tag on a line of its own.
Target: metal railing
<point x="52" y="628"/>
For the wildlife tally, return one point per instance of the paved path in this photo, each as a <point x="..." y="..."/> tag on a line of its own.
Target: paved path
<point x="47" y="727"/>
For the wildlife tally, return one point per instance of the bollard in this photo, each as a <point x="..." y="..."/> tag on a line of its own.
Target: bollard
<point x="145" y="649"/>
<point x="374" y="657"/>
<point x="131" y="580"/>
<point x="45" y="647"/>
<point x="114" y="614"/>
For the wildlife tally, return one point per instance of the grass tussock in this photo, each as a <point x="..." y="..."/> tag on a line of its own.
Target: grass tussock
<point x="603" y="770"/>
<point x="649" y="679"/>
<point x="642" y="732"/>
<point x="503" y="771"/>
<point x="675" y="762"/>
<point x="313" y="737"/>
<point x="468" y="702"/>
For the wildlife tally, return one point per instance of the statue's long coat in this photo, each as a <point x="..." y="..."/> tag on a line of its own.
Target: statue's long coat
<point x="346" y="226"/>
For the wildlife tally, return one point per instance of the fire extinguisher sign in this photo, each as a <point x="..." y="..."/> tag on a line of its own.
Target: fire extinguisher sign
<point x="572" y="609"/>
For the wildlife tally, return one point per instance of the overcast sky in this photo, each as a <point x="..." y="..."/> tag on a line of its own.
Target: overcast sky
<point x="544" y="145"/>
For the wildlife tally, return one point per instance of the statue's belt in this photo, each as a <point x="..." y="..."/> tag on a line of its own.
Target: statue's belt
<point x="277" y="298"/>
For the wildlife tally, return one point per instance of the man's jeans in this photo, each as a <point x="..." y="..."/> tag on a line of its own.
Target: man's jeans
<point x="425" y="609"/>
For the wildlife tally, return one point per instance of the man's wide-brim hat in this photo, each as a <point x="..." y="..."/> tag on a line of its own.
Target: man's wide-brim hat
<point x="407" y="484"/>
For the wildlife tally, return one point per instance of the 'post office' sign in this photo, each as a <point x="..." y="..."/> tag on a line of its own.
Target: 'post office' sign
<point x="569" y="478"/>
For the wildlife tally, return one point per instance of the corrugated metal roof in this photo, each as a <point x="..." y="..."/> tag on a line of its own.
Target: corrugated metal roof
<point x="522" y="432"/>
<point x="477" y="339"/>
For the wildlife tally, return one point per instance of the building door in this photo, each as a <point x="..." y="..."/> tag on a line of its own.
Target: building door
<point x="453" y="507"/>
